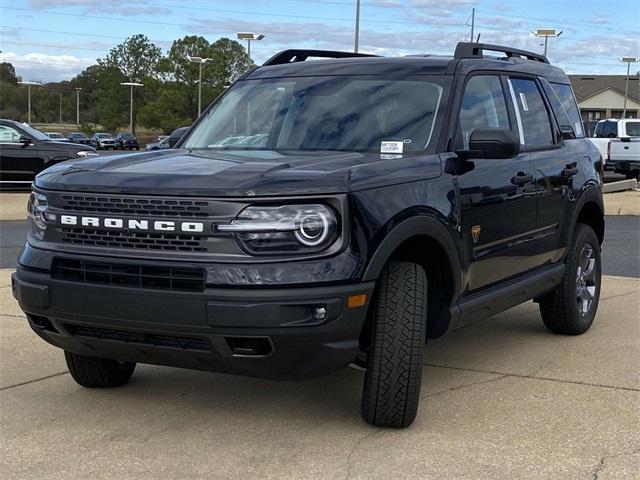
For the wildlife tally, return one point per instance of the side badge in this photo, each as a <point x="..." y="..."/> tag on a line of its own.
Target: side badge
<point x="475" y="233"/>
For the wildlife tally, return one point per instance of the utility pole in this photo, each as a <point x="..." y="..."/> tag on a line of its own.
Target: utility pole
<point x="356" y="42"/>
<point x="201" y="61"/>
<point x="78" y="105"/>
<point x="28" y="84"/>
<point x="60" y="119"/>
<point x="473" y="21"/>
<point x="131" y="84"/>
<point x="628" y="61"/>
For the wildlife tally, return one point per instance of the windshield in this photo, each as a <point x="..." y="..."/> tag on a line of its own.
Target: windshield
<point x="103" y="135"/>
<point x="78" y="135"/>
<point x="33" y="133"/>
<point x="323" y="113"/>
<point x="126" y="136"/>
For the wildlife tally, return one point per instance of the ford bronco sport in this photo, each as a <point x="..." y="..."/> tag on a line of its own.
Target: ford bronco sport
<point x="321" y="214"/>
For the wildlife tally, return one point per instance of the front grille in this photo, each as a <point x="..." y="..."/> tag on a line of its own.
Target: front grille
<point x="108" y="204"/>
<point x="151" y="339"/>
<point x="191" y="279"/>
<point x="139" y="240"/>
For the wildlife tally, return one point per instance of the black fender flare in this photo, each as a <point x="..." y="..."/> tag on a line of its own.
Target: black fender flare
<point x="590" y="194"/>
<point x="417" y="226"/>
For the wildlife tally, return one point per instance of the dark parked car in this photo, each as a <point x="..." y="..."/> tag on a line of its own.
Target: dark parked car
<point x="80" y="138"/>
<point x="103" y="141"/>
<point x="384" y="201"/>
<point x="127" y="141"/>
<point x="25" y="151"/>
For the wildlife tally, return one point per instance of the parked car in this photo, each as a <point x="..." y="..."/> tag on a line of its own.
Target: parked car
<point x="159" y="145"/>
<point x="392" y="202"/>
<point x="25" y="152"/>
<point x="103" y="141"/>
<point x="605" y="130"/>
<point x="623" y="156"/>
<point x="176" y="135"/>
<point x="79" y="138"/>
<point x="127" y="141"/>
<point x="58" y="137"/>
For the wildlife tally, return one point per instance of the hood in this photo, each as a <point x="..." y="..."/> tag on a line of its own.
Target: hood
<point x="236" y="173"/>
<point x="65" y="146"/>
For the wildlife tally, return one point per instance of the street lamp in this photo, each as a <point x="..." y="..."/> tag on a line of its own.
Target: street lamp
<point x="248" y="36"/>
<point x="546" y="33"/>
<point x="200" y="61"/>
<point x="628" y="61"/>
<point x="357" y="34"/>
<point x="78" y="105"/>
<point x="131" y="84"/>
<point x="29" y="97"/>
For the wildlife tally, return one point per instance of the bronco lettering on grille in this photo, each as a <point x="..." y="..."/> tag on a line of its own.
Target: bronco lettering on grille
<point x="133" y="224"/>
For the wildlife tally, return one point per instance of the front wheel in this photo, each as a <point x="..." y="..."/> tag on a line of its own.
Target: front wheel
<point x="394" y="371"/>
<point x="571" y="307"/>
<point x="92" y="372"/>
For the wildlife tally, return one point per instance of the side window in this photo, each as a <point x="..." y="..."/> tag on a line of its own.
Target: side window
<point x="534" y="127"/>
<point x="8" y="135"/>
<point x="564" y="93"/>
<point x="483" y="105"/>
<point x="632" y="129"/>
<point x="606" y="130"/>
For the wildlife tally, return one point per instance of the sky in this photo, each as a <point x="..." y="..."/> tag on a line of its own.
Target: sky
<point x="53" y="40"/>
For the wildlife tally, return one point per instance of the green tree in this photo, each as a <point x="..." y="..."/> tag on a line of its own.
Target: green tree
<point x="136" y="58"/>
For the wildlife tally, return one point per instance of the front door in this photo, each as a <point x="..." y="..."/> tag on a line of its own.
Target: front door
<point x="496" y="196"/>
<point x="18" y="162"/>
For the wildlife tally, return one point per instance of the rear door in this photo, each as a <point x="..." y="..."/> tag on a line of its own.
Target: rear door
<point x="496" y="196"/>
<point x="555" y="162"/>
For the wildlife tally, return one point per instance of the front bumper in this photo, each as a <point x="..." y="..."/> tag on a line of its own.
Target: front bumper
<point x="264" y="332"/>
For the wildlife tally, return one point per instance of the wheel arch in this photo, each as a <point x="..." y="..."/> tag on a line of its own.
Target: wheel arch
<point x="590" y="211"/>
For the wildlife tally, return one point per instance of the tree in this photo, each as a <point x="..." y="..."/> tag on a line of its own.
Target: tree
<point x="136" y="58"/>
<point x="8" y="74"/>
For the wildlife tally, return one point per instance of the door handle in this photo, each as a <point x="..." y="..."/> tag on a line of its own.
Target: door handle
<point x="569" y="171"/>
<point x="521" y="178"/>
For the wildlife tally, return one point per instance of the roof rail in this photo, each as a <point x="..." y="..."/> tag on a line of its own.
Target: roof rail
<point x="295" y="55"/>
<point x="475" y="50"/>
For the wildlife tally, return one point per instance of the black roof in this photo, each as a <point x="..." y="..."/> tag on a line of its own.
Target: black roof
<point x="468" y="57"/>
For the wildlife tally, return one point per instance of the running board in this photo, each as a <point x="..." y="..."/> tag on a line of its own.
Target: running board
<point x="499" y="298"/>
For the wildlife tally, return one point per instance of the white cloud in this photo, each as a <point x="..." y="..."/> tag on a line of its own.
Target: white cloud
<point x="37" y="66"/>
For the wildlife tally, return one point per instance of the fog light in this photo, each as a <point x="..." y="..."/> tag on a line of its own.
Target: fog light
<point x="320" y="313"/>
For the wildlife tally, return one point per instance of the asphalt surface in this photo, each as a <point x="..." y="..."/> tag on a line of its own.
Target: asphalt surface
<point x="620" y="255"/>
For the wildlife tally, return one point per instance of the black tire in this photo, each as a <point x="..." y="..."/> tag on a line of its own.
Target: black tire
<point x="571" y="307"/>
<point x="394" y="368"/>
<point x="94" y="372"/>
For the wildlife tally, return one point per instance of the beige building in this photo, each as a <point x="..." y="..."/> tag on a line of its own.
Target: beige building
<point x="602" y="96"/>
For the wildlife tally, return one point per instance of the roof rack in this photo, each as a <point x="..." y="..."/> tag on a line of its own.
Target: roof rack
<point x="475" y="50"/>
<point x="295" y="55"/>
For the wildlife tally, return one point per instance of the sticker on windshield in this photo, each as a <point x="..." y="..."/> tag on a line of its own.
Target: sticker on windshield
<point x="391" y="147"/>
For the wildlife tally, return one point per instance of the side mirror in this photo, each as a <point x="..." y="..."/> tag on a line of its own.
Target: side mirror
<point x="567" y="132"/>
<point x="26" y="141"/>
<point x="494" y="143"/>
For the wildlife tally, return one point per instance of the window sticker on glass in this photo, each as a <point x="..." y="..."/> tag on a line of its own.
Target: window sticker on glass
<point x="523" y="99"/>
<point x="391" y="147"/>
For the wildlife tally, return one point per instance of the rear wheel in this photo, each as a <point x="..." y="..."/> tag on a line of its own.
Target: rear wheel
<point x="394" y="368"/>
<point x="571" y="307"/>
<point x="94" y="372"/>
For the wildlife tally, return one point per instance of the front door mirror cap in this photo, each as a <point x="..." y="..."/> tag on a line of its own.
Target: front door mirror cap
<point x="25" y="140"/>
<point x="493" y="143"/>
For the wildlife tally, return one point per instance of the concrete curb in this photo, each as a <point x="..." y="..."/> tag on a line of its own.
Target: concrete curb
<point x="621" y="186"/>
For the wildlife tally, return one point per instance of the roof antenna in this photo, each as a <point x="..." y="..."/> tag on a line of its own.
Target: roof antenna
<point x="477" y="39"/>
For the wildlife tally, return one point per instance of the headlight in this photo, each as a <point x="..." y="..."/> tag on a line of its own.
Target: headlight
<point x="37" y="210"/>
<point x="86" y="154"/>
<point x="284" y="229"/>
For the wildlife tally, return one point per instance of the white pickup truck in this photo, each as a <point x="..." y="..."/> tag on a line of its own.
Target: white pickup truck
<point x="613" y="128"/>
<point x="624" y="156"/>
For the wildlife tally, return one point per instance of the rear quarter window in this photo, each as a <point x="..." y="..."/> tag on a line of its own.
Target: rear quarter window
<point x="632" y="129"/>
<point x="564" y="106"/>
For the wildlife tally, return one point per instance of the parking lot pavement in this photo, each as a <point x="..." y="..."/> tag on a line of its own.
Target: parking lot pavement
<point x="501" y="399"/>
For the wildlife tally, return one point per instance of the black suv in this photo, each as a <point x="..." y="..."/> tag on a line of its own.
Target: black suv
<point x="127" y="141"/>
<point x="321" y="214"/>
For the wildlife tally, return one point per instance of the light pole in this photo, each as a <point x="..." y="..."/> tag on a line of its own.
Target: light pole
<point x="131" y="84"/>
<point x="28" y="84"/>
<point x="200" y="61"/>
<point x="60" y="119"/>
<point x="628" y="61"/>
<point x="546" y="33"/>
<point x="357" y="34"/>
<point x="248" y="36"/>
<point x="78" y="105"/>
